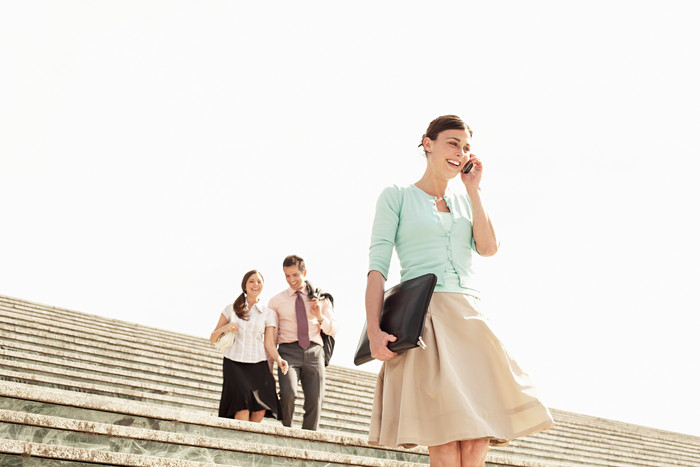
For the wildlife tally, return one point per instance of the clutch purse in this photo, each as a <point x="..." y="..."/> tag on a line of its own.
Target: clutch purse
<point x="403" y="315"/>
<point x="225" y="341"/>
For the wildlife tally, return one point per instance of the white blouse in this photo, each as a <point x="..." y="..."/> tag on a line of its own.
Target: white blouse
<point x="249" y="343"/>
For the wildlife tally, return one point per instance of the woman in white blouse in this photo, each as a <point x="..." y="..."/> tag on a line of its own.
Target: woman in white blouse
<point x="249" y="391"/>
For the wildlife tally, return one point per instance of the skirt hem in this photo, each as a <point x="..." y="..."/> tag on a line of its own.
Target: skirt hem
<point x="494" y="440"/>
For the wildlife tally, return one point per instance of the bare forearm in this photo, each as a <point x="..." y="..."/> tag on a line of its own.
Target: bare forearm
<point x="482" y="227"/>
<point x="218" y="332"/>
<point x="272" y="349"/>
<point x="374" y="297"/>
<point x="214" y="336"/>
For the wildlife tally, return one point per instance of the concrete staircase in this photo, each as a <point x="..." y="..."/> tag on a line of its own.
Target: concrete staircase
<point x="78" y="389"/>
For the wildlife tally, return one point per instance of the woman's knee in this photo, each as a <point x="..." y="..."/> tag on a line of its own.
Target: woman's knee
<point x="257" y="416"/>
<point x="473" y="452"/>
<point x="242" y="415"/>
<point x="447" y="454"/>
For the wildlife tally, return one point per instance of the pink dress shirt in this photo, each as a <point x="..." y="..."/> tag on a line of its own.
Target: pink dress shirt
<point x="284" y="304"/>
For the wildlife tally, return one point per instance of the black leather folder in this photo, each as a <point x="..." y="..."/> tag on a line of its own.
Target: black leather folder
<point x="403" y="315"/>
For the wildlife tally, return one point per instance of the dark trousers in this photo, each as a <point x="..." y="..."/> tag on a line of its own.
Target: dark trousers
<point x="308" y="367"/>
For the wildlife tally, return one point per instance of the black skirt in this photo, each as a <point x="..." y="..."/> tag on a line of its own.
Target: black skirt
<point x="248" y="386"/>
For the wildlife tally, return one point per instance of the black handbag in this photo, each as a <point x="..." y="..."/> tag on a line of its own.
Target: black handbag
<point x="328" y="341"/>
<point x="328" y="347"/>
<point x="403" y="315"/>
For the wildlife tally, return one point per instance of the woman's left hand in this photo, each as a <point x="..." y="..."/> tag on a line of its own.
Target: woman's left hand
<point x="283" y="365"/>
<point x="473" y="178"/>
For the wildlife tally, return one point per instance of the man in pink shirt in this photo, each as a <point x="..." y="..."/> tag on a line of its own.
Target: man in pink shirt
<point x="299" y="324"/>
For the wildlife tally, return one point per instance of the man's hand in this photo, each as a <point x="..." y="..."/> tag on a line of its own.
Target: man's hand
<point x="316" y="309"/>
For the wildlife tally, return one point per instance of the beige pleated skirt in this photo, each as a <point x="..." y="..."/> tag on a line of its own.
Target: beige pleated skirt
<point x="463" y="385"/>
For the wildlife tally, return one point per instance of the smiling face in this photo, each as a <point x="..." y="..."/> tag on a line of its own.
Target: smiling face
<point x="294" y="277"/>
<point x="448" y="152"/>
<point x="254" y="286"/>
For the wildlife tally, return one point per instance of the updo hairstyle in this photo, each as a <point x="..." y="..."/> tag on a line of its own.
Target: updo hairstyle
<point x="440" y="124"/>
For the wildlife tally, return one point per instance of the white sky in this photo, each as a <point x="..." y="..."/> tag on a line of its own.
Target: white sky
<point x="151" y="152"/>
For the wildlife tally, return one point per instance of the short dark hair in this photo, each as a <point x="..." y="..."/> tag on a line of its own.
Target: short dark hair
<point x="440" y="124"/>
<point x="294" y="260"/>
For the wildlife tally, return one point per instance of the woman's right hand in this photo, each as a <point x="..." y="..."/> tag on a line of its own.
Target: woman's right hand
<point x="378" y="342"/>
<point x="224" y="325"/>
<point x="232" y="327"/>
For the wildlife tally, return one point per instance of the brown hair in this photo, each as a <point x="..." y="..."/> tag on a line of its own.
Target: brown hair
<point x="440" y="124"/>
<point x="294" y="260"/>
<point x="240" y="306"/>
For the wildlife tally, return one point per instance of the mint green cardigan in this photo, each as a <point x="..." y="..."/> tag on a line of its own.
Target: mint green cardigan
<point x="407" y="219"/>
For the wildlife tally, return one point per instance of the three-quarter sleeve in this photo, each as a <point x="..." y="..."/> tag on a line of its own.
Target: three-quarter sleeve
<point x="386" y="222"/>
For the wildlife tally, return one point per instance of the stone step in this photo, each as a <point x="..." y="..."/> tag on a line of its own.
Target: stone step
<point x="170" y="381"/>
<point x="360" y="377"/>
<point x="34" y="409"/>
<point x="25" y="337"/>
<point x="594" y="428"/>
<point x="350" y="386"/>
<point x="562" y="444"/>
<point x="73" y="369"/>
<point x="197" y="346"/>
<point x="580" y="452"/>
<point x="101" y="326"/>
<point x="53" y="350"/>
<point x="21" y="350"/>
<point x="24" y="453"/>
<point x="64" y="432"/>
<point x="94" y="356"/>
<point x="121" y="347"/>
<point x="360" y="422"/>
<point x="335" y="415"/>
<point x="611" y="445"/>
<point x="588" y="421"/>
<point x="77" y="320"/>
<point x="33" y="310"/>
<point x="96" y="331"/>
<point x="73" y="329"/>
<point x="144" y="424"/>
<point x="102" y="367"/>
<point x="49" y="342"/>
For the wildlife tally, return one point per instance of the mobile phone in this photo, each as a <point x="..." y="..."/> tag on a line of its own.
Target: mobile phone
<point x="467" y="167"/>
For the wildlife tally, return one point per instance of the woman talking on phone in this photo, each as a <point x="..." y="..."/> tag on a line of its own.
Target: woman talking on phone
<point x="248" y="392"/>
<point x="463" y="392"/>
